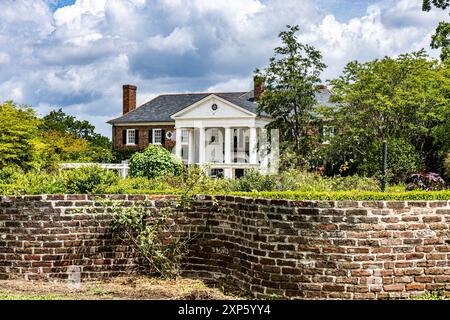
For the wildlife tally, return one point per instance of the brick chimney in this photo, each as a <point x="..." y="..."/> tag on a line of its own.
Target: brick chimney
<point x="129" y="98"/>
<point x="258" y="87"/>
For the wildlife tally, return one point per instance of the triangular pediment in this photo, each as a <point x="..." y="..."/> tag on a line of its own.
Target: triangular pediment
<point x="212" y="106"/>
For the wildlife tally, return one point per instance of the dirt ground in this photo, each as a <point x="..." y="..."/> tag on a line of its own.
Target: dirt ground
<point x="135" y="288"/>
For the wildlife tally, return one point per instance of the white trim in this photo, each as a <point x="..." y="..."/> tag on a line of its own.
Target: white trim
<point x="144" y="124"/>
<point x="128" y="136"/>
<point x="212" y="96"/>
<point x="153" y="136"/>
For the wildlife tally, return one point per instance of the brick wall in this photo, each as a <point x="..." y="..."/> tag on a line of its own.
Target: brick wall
<point x="300" y="249"/>
<point x="117" y="138"/>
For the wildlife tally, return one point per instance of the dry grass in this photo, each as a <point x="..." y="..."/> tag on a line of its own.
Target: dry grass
<point x="123" y="288"/>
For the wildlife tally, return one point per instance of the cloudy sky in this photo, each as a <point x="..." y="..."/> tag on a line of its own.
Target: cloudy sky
<point x="77" y="54"/>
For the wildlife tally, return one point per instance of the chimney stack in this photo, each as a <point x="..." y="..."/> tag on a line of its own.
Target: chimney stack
<point x="258" y="87"/>
<point x="129" y="98"/>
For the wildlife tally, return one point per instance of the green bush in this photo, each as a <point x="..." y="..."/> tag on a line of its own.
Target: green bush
<point x="348" y="195"/>
<point x="153" y="162"/>
<point x="89" y="179"/>
<point x="254" y="181"/>
<point x="447" y="167"/>
<point x="354" y="183"/>
<point x="298" y="180"/>
<point x="403" y="159"/>
<point x="39" y="183"/>
<point x="9" y="175"/>
<point x="139" y="184"/>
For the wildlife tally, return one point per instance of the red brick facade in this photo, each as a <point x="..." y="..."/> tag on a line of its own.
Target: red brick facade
<point x="144" y="138"/>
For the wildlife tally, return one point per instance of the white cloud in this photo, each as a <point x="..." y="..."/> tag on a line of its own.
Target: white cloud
<point x="79" y="56"/>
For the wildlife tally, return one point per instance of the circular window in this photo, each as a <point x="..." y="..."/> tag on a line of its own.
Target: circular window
<point x="214" y="107"/>
<point x="169" y="135"/>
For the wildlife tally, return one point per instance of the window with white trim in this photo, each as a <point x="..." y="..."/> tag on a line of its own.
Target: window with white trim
<point x="157" y="136"/>
<point x="131" y="136"/>
<point x="184" y="136"/>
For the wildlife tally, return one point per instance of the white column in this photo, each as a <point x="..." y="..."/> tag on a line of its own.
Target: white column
<point x="228" y="173"/>
<point x="201" y="146"/>
<point x="253" y="142"/>
<point x="191" y="146"/>
<point x="178" y="142"/>
<point x="227" y="150"/>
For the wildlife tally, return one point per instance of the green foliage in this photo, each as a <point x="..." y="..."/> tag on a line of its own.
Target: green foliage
<point x="297" y="180"/>
<point x="18" y="136"/>
<point x="153" y="162"/>
<point x="34" y="144"/>
<point x="77" y="139"/>
<point x="291" y="81"/>
<point x="447" y="166"/>
<point x="89" y="179"/>
<point x="441" y="38"/>
<point x="439" y="294"/>
<point x="403" y="159"/>
<point x="39" y="183"/>
<point x="121" y="155"/>
<point x="254" y="181"/>
<point x="152" y="236"/>
<point x="442" y="4"/>
<point x="9" y="175"/>
<point x="404" y="100"/>
<point x="348" y="195"/>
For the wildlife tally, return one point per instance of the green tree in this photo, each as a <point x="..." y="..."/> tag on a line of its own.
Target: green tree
<point x="393" y="98"/>
<point x="18" y="136"/>
<point x="97" y="148"/>
<point x="291" y="84"/>
<point x="441" y="38"/>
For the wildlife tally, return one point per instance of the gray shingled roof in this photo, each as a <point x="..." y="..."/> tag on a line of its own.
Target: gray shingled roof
<point x="163" y="107"/>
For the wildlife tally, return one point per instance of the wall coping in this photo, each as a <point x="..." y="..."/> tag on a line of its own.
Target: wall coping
<point x="381" y="204"/>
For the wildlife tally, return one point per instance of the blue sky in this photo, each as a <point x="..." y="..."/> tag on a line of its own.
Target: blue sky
<point x="76" y="55"/>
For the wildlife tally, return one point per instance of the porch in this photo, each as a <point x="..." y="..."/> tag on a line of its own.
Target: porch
<point x="224" y="151"/>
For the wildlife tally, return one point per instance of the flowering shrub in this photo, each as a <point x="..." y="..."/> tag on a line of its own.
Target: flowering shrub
<point x="425" y="181"/>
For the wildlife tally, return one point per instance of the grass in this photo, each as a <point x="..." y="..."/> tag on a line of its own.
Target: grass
<point x="29" y="296"/>
<point x="433" y="295"/>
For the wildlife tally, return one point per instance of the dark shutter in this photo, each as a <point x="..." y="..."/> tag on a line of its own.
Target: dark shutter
<point x="124" y="136"/>
<point x="150" y="136"/>
<point x="163" y="137"/>
<point x="136" y="141"/>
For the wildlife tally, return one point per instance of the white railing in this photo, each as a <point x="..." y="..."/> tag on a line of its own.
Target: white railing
<point x="122" y="168"/>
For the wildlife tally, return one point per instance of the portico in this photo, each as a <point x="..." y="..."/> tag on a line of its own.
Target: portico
<point x="219" y="136"/>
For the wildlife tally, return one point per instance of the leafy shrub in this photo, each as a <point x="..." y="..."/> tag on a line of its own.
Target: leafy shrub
<point x="439" y="294"/>
<point x="39" y="183"/>
<point x="153" y="236"/>
<point x="447" y="166"/>
<point x="298" y="180"/>
<point x="425" y="181"/>
<point x="153" y="162"/>
<point x="89" y="179"/>
<point x="348" y="195"/>
<point x="403" y="159"/>
<point x="139" y="185"/>
<point x="9" y="175"/>
<point x="354" y="183"/>
<point x="254" y="181"/>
